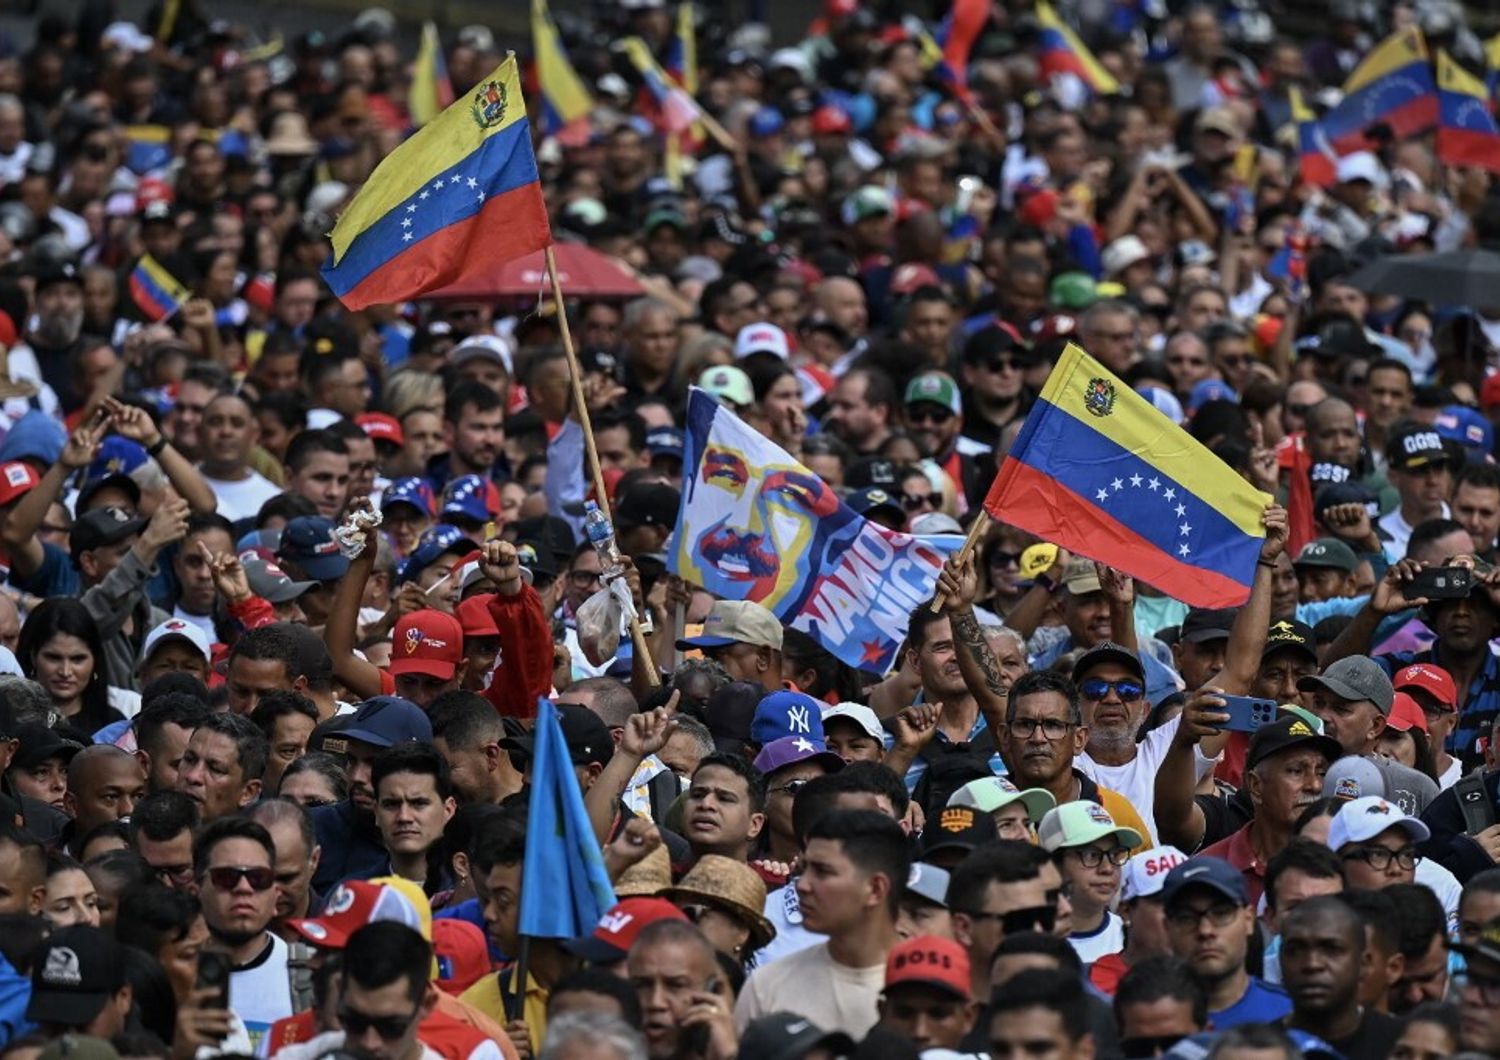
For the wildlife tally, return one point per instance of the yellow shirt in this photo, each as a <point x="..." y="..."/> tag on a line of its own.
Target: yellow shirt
<point x="486" y="996"/>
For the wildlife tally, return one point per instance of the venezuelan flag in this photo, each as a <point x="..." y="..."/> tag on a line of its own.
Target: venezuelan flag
<point x="1492" y="63"/>
<point x="961" y="27"/>
<point x="155" y="291"/>
<point x="1392" y="85"/>
<point x="565" y="100"/>
<point x="1063" y="53"/>
<point x="1097" y="470"/>
<point x="454" y="202"/>
<point x="1467" y="135"/>
<point x="1314" y="154"/>
<point x="678" y="109"/>
<point x="431" y="90"/>
<point x="147" y="147"/>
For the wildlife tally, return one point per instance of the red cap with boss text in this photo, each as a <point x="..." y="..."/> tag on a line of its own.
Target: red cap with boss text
<point x="930" y="961"/>
<point x="427" y="642"/>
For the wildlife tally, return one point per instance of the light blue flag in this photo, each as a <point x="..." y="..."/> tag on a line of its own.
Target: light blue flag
<point x="565" y="889"/>
<point x="757" y="525"/>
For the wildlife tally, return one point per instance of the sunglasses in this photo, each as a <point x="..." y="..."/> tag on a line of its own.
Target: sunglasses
<point x="1041" y="918"/>
<point x="1098" y="688"/>
<point x="1002" y="364"/>
<point x="227" y="877"/>
<point x="389" y="1028"/>
<point x="930" y="414"/>
<point x="1148" y="1045"/>
<point x="999" y="558"/>
<point x="913" y="501"/>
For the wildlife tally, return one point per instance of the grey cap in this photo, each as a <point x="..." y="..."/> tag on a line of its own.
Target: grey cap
<point x="1356" y="677"/>
<point x="928" y="882"/>
<point x="1353" y="777"/>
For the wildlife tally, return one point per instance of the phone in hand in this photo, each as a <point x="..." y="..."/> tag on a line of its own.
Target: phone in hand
<point x="1248" y="713"/>
<point x="1439" y="583"/>
<point x="213" y="972"/>
<point x="694" y="1040"/>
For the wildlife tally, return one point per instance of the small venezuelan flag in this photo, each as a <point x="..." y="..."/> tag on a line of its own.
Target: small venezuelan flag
<point x="1392" y="86"/>
<point x="1467" y="135"/>
<point x="454" y="202"/>
<point x="565" y="100"/>
<point x="1315" y="158"/>
<point x="1063" y="53"/>
<point x="147" y="147"/>
<point x="431" y="90"/>
<point x="1097" y="470"/>
<point x="155" y="291"/>
<point x="956" y="36"/>
<point x="678" y="109"/>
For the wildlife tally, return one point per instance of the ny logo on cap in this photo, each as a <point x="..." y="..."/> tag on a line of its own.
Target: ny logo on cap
<point x="797" y="719"/>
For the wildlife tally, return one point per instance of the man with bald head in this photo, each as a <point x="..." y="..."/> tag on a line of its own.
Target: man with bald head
<point x="673" y="969"/>
<point x="842" y="301"/>
<point x="104" y="784"/>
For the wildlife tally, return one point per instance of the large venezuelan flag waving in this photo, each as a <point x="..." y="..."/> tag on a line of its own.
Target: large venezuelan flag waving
<point x="1467" y="134"/>
<point x="457" y="200"/>
<point x="1097" y="470"/>
<point x="1392" y="85"/>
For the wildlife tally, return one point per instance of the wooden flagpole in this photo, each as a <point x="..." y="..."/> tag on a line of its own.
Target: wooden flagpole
<point x="976" y="531"/>
<point x="581" y="409"/>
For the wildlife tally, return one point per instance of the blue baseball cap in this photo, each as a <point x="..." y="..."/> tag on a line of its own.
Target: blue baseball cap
<point x="767" y="121"/>
<point x="786" y="713"/>
<point x="35" y="436"/>
<point x="412" y="490"/>
<point x="1210" y="390"/>
<point x="1467" y="427"/>
<point x="270" y="540"/>
<point x="664" y="441"/>
<point x="435" y="542"/>
<point x="872" y="499"/>
<point x="118" y="459"/>
<point x="384" y="721"/>
<point x="308" y="543"/>
<point x="1202" y="871"/>
<point x="471" y="497"/>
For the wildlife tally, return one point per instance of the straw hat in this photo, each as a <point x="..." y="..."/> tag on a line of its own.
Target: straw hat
<point x="649" y="876"/>
<point x="290" y="135"/>
<point x="731" y="885"/>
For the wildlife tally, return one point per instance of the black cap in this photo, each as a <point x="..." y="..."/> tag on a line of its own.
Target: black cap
<point x="992" y="340"/>
<point x="63" y="272"/>
<point x="99" y="527"/>
<point x="648" y="504"/>
<point x="1289" y="633"/>
<point x="1108" y="652"/>
<point x="1286" y="732"/>
<point x="39" y="743"/>
<point x="549" y="530"/>
<point x="1345" y="493"/>
<point x="1415" y="446"/>
<point x="587" y="736"/>
<point x="537" y="558"/>
<point x="74" y="972"/>
<point x="871" y="471"/>
<point x="957" y="828"/>
<point x="1204" y="624"/>
<point x="786" y="1036"/>
<point x="118" y="480"/>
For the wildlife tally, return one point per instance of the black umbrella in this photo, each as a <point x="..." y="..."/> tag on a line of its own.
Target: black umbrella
<point x="1468" y="278"/>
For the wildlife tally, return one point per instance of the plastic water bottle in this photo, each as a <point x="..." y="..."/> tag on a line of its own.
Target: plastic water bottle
<point x="602" y="537"/>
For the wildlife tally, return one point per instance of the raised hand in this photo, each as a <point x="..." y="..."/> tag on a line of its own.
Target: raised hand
<point x="228" y="574"/>
<point x="502" y="566"/>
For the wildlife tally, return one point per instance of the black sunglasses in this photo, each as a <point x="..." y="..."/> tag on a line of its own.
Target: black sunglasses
<point x="356" y="1023"/>
<point x="227" y="877"/>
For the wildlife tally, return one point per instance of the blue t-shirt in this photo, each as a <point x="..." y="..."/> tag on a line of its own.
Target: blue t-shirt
<point x="55" y="577"/>
<point x="1262" y="1003"/>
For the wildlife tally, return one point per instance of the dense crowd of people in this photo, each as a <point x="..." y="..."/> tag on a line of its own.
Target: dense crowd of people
<point x="284" y="584"/>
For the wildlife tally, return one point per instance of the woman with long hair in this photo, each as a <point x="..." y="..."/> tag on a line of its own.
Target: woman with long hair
<point x="60" y="649"/>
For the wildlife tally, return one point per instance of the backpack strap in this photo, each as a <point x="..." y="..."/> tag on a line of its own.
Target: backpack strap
<point x="1474" y="802"/>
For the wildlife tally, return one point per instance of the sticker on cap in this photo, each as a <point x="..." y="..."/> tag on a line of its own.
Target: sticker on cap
<point x="341" y="901"/>
<point x="1098" y="814"/>
<point x="16" y="475"/>
<point x="313" y="929"/>
<point x="956" y="819"/>
<point x="62" y="968"/>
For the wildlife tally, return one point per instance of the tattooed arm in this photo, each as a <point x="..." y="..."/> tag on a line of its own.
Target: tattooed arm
<point x="977" y="663"/>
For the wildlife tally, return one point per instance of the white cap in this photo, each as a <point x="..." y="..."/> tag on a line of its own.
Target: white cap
<point x="176" y="627"/>
<point x="1363" y="819"/>
<point x="793" y="59"/>
<point x="482" y="347"/>
<point x="929" y="523"/>
<point x="761" y="336"/>
<point x="1146" y="872"/>
<point x="9" y="664"/>
<point x="126" y="35"/>
<point x="1362" y="165"/>
<point x="1123" y="253"/>
<point x="858" y="713"/>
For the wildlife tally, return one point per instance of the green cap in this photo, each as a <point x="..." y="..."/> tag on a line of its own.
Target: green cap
<point x="1073" y="290"/>
<point x="936" y="387"/>
<point x="1327" y="552"/>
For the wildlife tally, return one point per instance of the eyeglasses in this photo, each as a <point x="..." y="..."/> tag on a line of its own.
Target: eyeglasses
<point x="227" y="877"/>
<point x="584" y="578"/>
<point x="911" y="501"/>
<point x="1189" y="919"/>
<point x="1149" y="1045"/>
<point x="389" y="1028"/>
<point x="1052" y="728"/>
<point x="1486" y="987"/>
<point x="1097" y="688"/>
<point x="929" y="414"/>
<point x="1380" y="858"/>
<point x="791" y="787"/>
<point x="1005" y="559"/>
<point x="1001" y="364"/>
<point x="1093" y="857"/>
<point x="172" y="873"/>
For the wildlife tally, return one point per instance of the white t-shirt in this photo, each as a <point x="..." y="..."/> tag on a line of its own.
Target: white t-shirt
<point x="242" y="500"/>
<point x="1449" y="776"/>
<point x="203" y="622"/>
<point x="1136" y="779"/>
<point x="784" y="911"/>
<point x="261" y="991"/>
<point x="1395" y="524"/>
<point x="812" y="985"/>
<point x="333" y="1041"/>
<point x="1444" y="884"/>
<point x="1107" y="938"/>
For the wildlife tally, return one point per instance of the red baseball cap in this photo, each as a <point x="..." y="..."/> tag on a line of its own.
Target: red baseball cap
<point x="1039" y="207"/>
<point x="931" y="961"/>
<point x="1405" y="715"/>
<point x="618" y="929"/>
<point x="1431" y="679"/>
<point x="830" y="119"/>
<point x="7" y="330"/>
<point x="16" y="478"/>
<point x="1489" y="392"/>
<point x="427" y="642"/>
<point x="381" y="428"/>
<point x="463" y="954"/>
<point x="352" y="905"/>
<point x="474" y="615"/>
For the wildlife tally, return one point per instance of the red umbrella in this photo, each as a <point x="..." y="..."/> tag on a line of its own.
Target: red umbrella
<point x="582" y="271"/>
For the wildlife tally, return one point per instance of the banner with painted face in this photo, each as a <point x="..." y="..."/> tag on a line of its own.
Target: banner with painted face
<point x="756" y="525"/>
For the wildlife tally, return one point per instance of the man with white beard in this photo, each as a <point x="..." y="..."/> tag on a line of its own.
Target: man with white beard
<point x="56" y="337"/>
